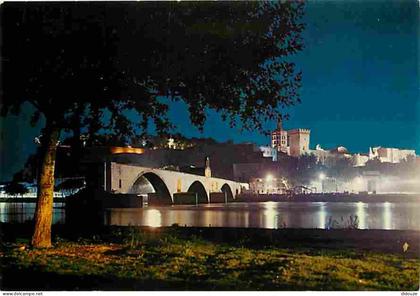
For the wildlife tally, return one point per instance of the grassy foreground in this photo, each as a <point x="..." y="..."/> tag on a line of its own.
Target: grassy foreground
<point x="148" y="260"/>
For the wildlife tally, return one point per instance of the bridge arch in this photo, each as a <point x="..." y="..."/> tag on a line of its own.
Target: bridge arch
<point x="152" y="183"/>
<point x="228" y="191"/>
<point x="198" y="187"/>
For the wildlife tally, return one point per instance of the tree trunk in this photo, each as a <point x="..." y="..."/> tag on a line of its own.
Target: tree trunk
<point x="44" y="206"/>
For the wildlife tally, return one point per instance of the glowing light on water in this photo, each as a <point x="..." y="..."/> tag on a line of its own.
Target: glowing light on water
<point x="322" y="216"/>
<point x="3" y="211"/>
<point x="270" y="215"/>
<point x="153" y="218"/>
<point x="387" y="216"/>
<point x="246" y="220"/>
<point x="361" y="214"/>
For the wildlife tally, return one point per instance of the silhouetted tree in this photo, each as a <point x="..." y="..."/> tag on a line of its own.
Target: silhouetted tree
<point x="67" y="165"/>
<point x="299" y="170"/>
<point x="29" y="171"/>
<point x="15" y="188"/>
<point x="407" y="167"/>
<point x="70" y="185"/>
<point x="342" y="168"/>
<point x="373" y="165"/>
<point x="307" y="169"/>
<point x="106" y="66"/>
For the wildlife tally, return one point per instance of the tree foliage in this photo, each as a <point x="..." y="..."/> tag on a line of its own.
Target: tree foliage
<point x="341" y="168"/>
<point x="15" y="188"/>
<point x="71" y="185"/>
<point x="99" y="67"/>
<point x="306" y="169"/>
<point x="79" y="63"/>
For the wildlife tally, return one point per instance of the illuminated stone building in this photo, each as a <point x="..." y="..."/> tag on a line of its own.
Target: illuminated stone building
<point x="269" y="152"/>
<point x="279" y="139"/>
<point x="293" y="142"/>
<point x="392" y="155"/>
<point x="298" y="141"/>
<point x="268" y="185"/>
<point x="360" y="159"/>
<point x="387" y="155"/>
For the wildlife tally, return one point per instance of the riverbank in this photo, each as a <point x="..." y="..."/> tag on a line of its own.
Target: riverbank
<point x="29" y="199"/>
<point x="129" y="200"/>
<point x="182" y="258"/>
<point x="330" y="197"/>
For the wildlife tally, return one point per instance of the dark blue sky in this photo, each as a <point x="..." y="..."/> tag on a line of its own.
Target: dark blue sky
<point x="360" y="84"/>
<point x="360" y="78"/>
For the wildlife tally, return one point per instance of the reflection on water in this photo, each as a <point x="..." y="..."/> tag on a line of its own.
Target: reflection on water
<point x="20" y="212"/>
<point x="272" y="215"/>
<point x="275" y="215"/>
<point x="322" y="216"/>
<point x="153" y="218"/>
<point x="361" y="214"/>
<point x="387" y="216"/>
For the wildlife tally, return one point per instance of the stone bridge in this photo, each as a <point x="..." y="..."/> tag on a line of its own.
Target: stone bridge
<point x="166" y="185"/>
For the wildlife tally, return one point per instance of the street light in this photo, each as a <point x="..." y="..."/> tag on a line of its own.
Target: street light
<point x="269" y="178"/>
<point x="321" y="176"/>
<point x="268" y="182"/>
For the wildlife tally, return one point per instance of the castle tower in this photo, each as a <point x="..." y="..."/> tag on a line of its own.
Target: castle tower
<point x="207" y="170"/>
<point x="279" y="124"/>
<point x="279" y="137"/>
<point x="299" y="141"/>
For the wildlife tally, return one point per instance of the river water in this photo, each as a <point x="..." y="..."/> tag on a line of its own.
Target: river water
<point x="273" y="215"/>
<point x="20" y="212"/>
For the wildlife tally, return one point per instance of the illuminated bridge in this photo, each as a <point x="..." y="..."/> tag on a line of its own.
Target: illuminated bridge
<point x="165" y="185"/>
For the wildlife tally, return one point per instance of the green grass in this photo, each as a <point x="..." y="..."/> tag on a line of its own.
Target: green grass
<point x="153" y="261"/>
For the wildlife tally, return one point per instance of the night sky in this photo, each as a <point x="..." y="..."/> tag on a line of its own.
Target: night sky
<point x="360" y="85"/>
